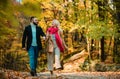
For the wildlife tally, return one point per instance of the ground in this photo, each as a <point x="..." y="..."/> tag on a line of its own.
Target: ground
<point x="71" y="71"/>
<point x="9" y="74"/>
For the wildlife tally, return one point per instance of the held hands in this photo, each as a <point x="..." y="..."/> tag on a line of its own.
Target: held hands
<point x="24" y="48"/>
<point x="44" y="38"/>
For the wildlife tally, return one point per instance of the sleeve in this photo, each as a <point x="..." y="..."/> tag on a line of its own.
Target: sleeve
<point x="24" y="38"/>
<point x="42" y="33"/>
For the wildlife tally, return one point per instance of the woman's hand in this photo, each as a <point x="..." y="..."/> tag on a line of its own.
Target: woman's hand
<point x="66" y="47"/>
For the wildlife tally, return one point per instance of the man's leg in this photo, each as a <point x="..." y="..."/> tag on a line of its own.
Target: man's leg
<point x="32" y="59"/>
<point x="36" y="56"/>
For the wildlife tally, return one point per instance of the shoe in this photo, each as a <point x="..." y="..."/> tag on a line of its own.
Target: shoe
<point x="33" y="73"/>
<point x="59" y="68"/>
<point x="51" y="72"/>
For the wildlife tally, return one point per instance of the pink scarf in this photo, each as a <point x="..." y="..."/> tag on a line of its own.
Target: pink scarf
<point x="54" y="30"/>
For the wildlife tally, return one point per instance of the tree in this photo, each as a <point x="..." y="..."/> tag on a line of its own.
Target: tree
<point x="116" y="21"/>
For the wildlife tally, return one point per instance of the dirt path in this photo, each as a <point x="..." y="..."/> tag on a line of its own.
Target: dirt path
<point x="71" y="71"/>
<point x="83" y="75"/>
<point x="60" y="75"/>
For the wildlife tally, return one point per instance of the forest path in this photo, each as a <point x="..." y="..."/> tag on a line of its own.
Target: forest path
<point x="61" y="75"/>
<point x="71" y="71"/>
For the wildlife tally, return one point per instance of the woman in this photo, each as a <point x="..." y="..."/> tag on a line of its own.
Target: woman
<point x="55" y="33"/>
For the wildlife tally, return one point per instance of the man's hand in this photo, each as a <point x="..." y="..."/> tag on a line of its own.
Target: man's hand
<point x="44" y="37"/>
<point x="24" y="48"/>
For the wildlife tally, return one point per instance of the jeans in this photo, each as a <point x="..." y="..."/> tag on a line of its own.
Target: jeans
<point x="33" y="55"/>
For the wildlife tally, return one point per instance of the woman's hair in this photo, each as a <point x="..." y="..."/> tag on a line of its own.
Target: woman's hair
<point x="56" y="22"/>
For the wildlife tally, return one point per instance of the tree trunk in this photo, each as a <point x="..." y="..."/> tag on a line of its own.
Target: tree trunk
<point x="117" y="40"/>
<point x="102" y="15"/>
<point x="88" y="47"/>
<point x="99" y="50"/>
<point x="102" y="50"/>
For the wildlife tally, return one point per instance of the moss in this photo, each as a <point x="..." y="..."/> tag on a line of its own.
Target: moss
<point x="117" y="59"/>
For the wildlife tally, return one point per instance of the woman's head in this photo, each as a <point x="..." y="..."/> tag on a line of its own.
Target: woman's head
<point x="55" y="23"/>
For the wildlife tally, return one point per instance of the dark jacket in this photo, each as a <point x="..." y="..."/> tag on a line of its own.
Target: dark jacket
<point x="27" y="37"/>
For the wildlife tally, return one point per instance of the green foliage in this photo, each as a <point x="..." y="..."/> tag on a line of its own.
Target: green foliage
<point x="3" y="4"/>
<point x="72" y="15"/>
<point x="14" y="61"/>
<point x="30" y="9"/>
<point x="99" y="29"/>
<point x="7" y="12"/>
<point x="8" y="21"/>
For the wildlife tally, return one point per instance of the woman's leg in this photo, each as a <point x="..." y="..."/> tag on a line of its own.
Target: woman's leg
<point x="57" y="58"/>
<point x="50" y="60"/>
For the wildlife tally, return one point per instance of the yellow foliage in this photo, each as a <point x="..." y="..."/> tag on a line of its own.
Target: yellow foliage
<point x="43" y="24"/>
<point x="32" y="1"/>
<point x="46" y="5"/>
<point x="67" y="25"/>
<point x="47" y="14"/>
<point x="81" y="5"/>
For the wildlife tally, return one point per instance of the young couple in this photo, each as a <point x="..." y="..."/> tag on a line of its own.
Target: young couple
<point x="31" y="42"/>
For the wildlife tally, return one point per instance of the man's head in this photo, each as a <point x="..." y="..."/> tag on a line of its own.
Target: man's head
<point x="34" y="20"/>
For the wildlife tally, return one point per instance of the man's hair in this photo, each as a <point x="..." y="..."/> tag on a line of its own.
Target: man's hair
<point x="31" y="18"/>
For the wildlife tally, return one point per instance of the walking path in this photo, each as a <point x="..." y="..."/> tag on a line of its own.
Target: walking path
<point x="61" y="75"/>
<point x="71" y="71"/>
<point x="83" y="75"/>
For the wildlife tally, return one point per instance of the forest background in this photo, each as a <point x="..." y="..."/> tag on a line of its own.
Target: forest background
<point x="90" y="25"/>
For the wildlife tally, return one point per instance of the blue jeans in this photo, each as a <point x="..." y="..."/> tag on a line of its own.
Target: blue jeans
<point x="33" y="55"/>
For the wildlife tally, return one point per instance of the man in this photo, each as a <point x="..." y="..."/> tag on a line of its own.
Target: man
<point x="32" y="43"/>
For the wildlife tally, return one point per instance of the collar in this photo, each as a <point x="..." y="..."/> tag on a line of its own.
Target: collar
<point x="32" y="25"/>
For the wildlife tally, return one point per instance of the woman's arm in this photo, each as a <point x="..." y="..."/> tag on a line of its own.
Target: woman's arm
<point x="63" y="41"/>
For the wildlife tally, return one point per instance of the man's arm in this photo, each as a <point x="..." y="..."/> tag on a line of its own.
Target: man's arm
<point x="24" y="38"/>
<point x="42" y="33"/>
